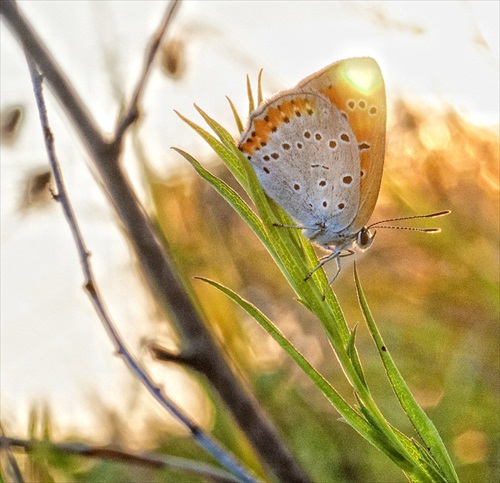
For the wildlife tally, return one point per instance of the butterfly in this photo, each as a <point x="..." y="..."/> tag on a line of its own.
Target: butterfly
<point x="318" y="151"/>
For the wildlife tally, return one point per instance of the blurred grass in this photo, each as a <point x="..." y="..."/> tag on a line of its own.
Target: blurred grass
<point x="435" y="297"/>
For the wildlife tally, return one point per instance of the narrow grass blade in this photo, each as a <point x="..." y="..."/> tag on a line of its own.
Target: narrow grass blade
<point x="237" y="118"/>
<point x="225" y="137"/>
<point x="223" y="151"/>
<point x="231" y="197"/>
<point x="251" y="104"/>
<point x="350" y="416"/>
<point x="423" y="425"/>
<point x="295" y="257"/>
<point x="260" y="97"/>
<point x="353" y="355"/>
<point x="294" y="254"/>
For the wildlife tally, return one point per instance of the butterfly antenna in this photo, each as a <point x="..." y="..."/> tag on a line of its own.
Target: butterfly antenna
<point x="410" y="228"/>
<point x="378" y="224"/>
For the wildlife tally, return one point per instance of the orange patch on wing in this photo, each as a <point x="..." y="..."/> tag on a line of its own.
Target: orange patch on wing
<point x="274" y="117"/>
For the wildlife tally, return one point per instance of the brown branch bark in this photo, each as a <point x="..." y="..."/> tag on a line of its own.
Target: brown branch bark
<point x="199" y="349"/>
<point x="148" y="460"/>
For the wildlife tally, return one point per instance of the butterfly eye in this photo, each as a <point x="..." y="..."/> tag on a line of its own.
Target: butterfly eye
<point x="365" y="238"/>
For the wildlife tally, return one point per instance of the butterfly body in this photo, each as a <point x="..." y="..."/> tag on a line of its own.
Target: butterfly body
<point x="318" y="151"/>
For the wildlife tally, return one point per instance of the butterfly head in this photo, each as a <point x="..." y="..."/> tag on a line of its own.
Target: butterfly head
<point x="345" y="240"/>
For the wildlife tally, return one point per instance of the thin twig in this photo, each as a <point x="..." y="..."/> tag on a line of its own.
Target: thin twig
<point x="202" y="438"/>
<point x="132" y="112"/>
<point x="11" y="470"/>
<point x="148" y="460"/>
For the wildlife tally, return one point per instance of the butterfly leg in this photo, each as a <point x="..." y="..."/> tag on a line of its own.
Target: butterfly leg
<point x="280" y="225"/>
<point x="334" y="255"/>
<point x="338" y="256"/>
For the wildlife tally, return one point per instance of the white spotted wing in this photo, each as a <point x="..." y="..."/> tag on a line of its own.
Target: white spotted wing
<point x="306" y="158"/>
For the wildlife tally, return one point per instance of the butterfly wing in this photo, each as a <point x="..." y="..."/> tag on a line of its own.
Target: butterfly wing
<point x="306" y="157"/>
<point x="356" y="87"/>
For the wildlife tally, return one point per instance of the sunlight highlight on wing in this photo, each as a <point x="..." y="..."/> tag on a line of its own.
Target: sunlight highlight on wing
<point x="363" y="76"/>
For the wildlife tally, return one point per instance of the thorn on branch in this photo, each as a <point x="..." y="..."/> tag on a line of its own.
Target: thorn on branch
<point x="55" y="196"/>
<point x="48" y="134"/>
<point x="161" y="354"/>
<point x="90" y="288"/>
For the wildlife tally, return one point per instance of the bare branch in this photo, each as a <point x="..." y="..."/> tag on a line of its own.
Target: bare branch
<point x="149" y="460"/>
<point x="199" y="349"/>
<point x="202" y="438"/>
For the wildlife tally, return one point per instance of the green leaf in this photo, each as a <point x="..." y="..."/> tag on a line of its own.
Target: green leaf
<point x="294" y="255"/>
<point x="353" y="355"/>
<point x="226" y="153"/>
<point x="354" y="419"/>
<point x="296" y="258"/>
<point x="421" y="422"/>
<point x="260" y="97"/>
<point x="233" y="198"/>
<point x="223" y="134"/>
<point x="237" y="118"/>
<point x="251" y="104"/>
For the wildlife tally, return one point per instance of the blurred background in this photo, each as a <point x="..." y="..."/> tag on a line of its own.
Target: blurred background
<point x="435" y="297"/>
